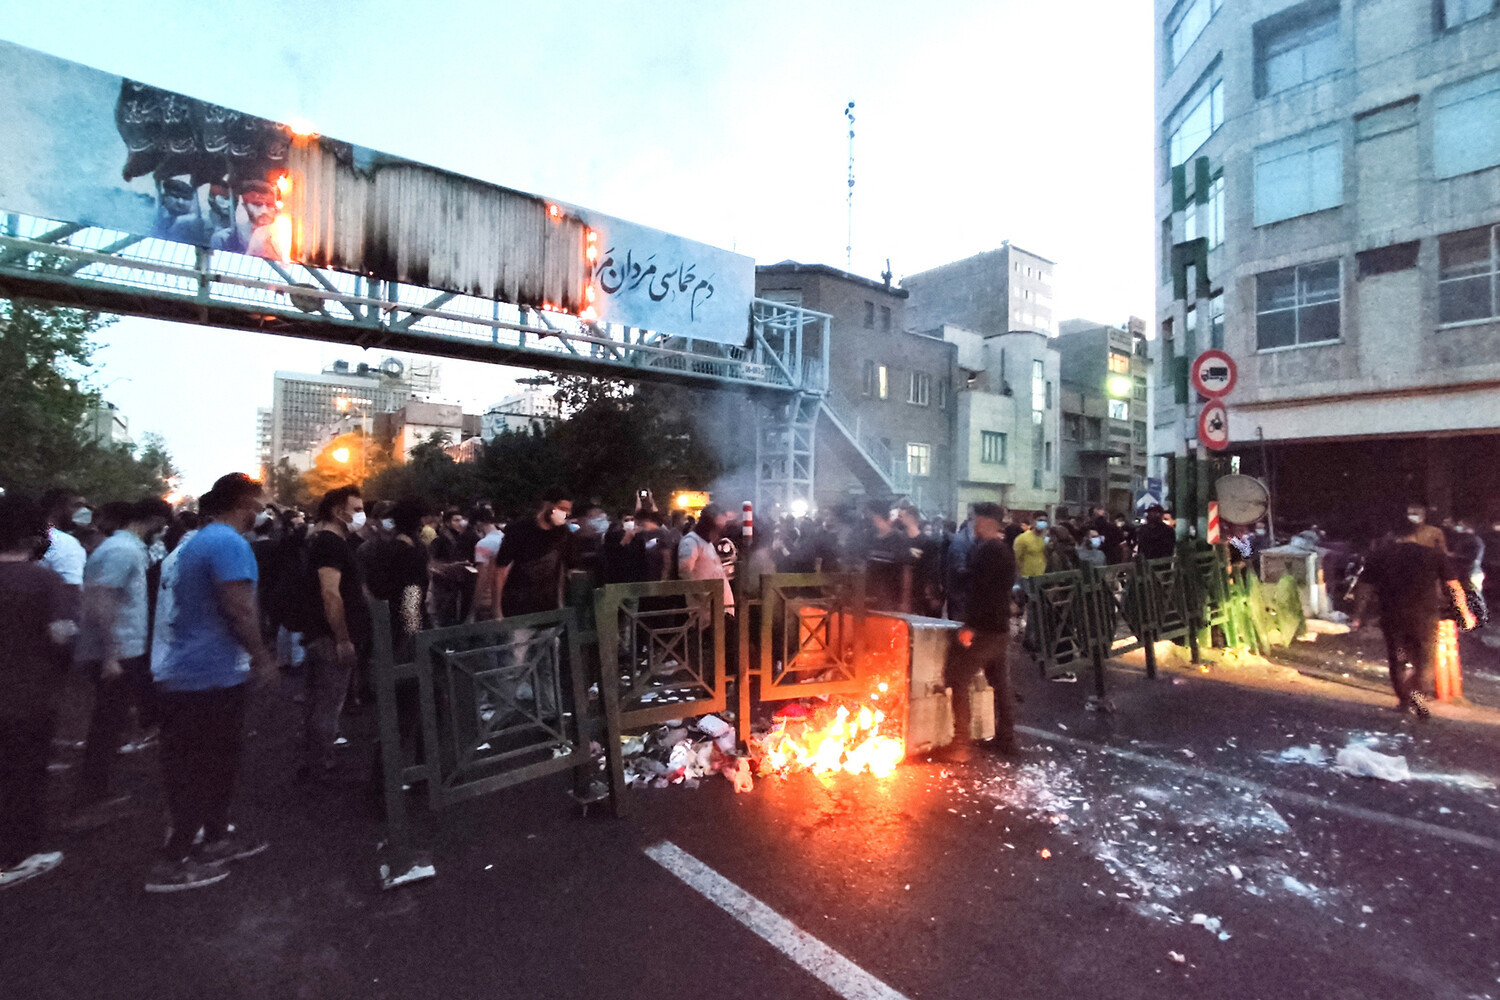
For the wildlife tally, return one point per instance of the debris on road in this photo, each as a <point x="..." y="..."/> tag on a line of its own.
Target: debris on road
<point x="1177" y="957"/>
<point x="1363" y="762"/>
<point x="1213" y="925"/>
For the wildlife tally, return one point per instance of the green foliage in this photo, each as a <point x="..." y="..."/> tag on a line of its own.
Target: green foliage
<point x="45" y="399"/>
<point x="619" y="438"/>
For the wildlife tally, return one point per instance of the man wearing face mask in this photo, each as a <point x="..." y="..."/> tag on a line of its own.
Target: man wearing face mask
<point x="1031" y="547"/>
<point x="1429" y="536"/>
<point x="453" y="572"/>
<point x="111" y="647"/>
<point x="64" y="553"/>
<point x="532" y="559"/>
<point x="1091" y="550"/>
<point x="338" y="634"/>
<point x="1156" y="539"/>
<point x="487" y="527"/>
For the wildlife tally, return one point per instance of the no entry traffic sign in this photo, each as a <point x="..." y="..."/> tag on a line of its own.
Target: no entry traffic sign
<point x="1213" y="426"/>
<point x="1213" y="374"/>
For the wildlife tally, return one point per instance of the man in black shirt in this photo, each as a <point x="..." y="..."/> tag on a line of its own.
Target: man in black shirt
<point x="1156" y="539"/>
<point x="1414" y="584"/>
<point x="338" y="634"/>
<point x="985" y="638"/>
<point x="531" y="562"/>
<point x="887" y="579"/>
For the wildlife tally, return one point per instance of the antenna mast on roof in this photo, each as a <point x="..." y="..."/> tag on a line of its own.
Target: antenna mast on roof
<point x="849" y="245"/>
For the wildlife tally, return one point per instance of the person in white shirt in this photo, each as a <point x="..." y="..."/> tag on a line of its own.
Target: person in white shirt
<point x="490" y="537"/>
<point x="65" y="554"/>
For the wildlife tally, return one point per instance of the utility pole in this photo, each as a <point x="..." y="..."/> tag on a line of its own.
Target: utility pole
<point x="849" y="244"/>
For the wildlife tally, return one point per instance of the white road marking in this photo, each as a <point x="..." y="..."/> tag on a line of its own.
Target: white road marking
<point x="1273" y="791"/>
<point x="833" y="969"/>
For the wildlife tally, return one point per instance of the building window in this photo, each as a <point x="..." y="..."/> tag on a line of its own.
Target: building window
<point x="1190" y="222"/>
<point x="1119" y="363"/>
<point x="1466" y="126"/>
<point x="942" y="389"/>
<point x="1094" y="429"/>
<point x="919" y="389"/>
<point x="1457" y="12"/>
<point x="1166" y="250"/>
<point x="1297" y="305"/>
<point x="1295" y="47"/>
<point x="1216" y="320"/>
<point x="1072" y="427"/>
<point x="1216" y="212"/>
<point x="1201" y="115"/>
<point x="918" y="460"/>
<point x="883" y="378"/>
<point x="1119" y="409"/>
<point x="1185" y="25"/>
<point x="1302" y="174"/>
<point x="885" y="318"/>
<point x="1073" y="490"/>
<point x="991" y="448"/>
<point x="1140" y="390"/>
<point x="1138" y="434"/>
<point x="1047" y="461"/>
<point x="869" y="315"/>
<point x="1049" y="395"/>
<point x="1468" y="272"/>
<point x="1036" y="479"/>
<point x="877" y="381"/>
<point x="1038" y="386"/>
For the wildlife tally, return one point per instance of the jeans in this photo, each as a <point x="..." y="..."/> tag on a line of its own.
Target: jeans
<point x="202" y="734"/>
<point x="25" y="744"/>
<point x="112" y="700"/>
<point x="327" y="687"/>
<point x="987" y="653"/>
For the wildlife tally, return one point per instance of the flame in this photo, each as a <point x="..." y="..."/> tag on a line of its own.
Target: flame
<point x="833" y="739"/>
<point x="554" y="213"/>
<point x="281" y="237"/>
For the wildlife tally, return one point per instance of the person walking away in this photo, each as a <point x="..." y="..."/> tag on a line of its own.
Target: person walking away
<point x="1062" y="550"/>
<point x="1413" y="583"/>
<point x="396" y="571"/>
<point x="112" y="648"/>
<point x="214" y="649"/>
<point x="338" y="635"/>
<point x="1156" y="539"/>
<point x="37" y="610"/>
<point x="984" y="640"/>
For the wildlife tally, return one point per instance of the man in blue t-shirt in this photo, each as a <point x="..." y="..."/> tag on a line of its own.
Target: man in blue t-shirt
<point x="214" y="648"/>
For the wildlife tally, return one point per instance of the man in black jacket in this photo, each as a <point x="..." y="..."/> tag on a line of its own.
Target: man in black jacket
<point x="985" y="637"/>
<point x="1156" y="539"/>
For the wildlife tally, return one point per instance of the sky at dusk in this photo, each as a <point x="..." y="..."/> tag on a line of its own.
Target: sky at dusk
<point x="977" y="122"/>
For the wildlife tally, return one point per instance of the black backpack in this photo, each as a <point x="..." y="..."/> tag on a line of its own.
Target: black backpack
<point x="292" y="600"/>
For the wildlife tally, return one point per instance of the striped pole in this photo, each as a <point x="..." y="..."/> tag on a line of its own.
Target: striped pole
<point x="1448" y="677"/>
<point x="1213" y="522"/>
<point x="747" y="520"/>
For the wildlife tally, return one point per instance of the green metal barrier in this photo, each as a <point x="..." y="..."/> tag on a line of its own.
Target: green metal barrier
<point x="483" y="707"/>
<point x="668" y="644"/>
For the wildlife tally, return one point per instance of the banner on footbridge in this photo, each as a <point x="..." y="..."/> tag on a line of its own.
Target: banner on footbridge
<point x="88" y="148"/>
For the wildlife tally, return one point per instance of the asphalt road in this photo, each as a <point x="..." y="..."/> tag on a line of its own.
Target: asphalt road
<point x="1075" y="872"/>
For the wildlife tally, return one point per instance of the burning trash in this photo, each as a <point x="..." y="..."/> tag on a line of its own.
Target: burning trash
<point x="684" y="752"/>
<point x="829" y="739"/>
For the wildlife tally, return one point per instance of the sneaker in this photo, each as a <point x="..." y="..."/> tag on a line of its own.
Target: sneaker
<point x="180" y="876"/>
<point x="1419" y="705"/>
<point x="37" y="864"/>
<point x="229" y="848"/>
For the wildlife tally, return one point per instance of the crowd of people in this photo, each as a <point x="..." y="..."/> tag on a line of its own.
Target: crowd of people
<point x="172" y="616"/>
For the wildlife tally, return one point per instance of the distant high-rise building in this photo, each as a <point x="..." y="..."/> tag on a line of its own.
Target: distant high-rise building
<point x="263" y="425"/>
<point x="107" y="426"/>
<point x="304" y="405"/>
<point x="1000" y="291"/>
<point x="1105" y="414"/>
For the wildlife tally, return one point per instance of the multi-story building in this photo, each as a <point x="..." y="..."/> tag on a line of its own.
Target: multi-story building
<point x="416" y="422"/>
<point x="994" y="292"/>
<point x="1328" y="192"/>
<point x="263" y="425"/>
<point x="1104" y="373"/>
<point x="106" y="426"/>
<point x="1006" y="419"/>
<point x="891" y="396"/>
<point x="304" y="405"/>
<point x="533" y="409"/>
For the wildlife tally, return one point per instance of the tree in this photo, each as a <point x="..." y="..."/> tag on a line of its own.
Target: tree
<point x="286" y="485"/>
<point x="45" y="405"/>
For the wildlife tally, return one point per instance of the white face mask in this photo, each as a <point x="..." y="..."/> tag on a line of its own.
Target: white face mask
<point x="460" y="524"/>
<point x="599" y="524"/>
<point x="83" y="517"/>
<point x="388" y="523"/>
<point x="262" y="519"/>
<point x="357" y="521"/>
<point x="1041" y="526"/>
<point x="1096" y="542"/>
<point x="628" y="525"/>
<point x="1414" y="518"/>
<point x="558" y="516"/>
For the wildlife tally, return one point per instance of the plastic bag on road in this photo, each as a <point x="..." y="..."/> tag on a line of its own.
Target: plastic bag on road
<point x="1362" y="762"/>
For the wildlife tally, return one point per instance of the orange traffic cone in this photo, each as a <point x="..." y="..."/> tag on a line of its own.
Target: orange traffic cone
<point x="1448" y="675"/>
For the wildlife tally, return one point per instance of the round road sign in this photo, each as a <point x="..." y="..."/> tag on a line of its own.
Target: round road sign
<point x="1213" y="374"/>
<point x="1213" y="426"/>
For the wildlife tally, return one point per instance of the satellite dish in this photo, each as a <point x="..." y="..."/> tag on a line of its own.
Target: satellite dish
<point x="392" y="367"/>
<point x="1242" y="499"/>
